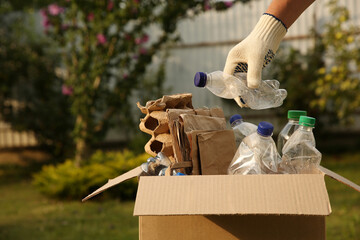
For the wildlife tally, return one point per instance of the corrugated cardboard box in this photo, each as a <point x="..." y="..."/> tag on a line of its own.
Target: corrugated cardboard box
<point x="232" y="206"/>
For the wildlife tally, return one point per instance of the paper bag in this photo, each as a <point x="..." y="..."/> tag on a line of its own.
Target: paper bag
<point x="199" y="122"/>
<point x="194" y="151"/>
<point x="217" y="149"/>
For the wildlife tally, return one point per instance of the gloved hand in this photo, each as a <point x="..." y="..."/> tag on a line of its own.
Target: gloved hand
<point x="256" y="51"/>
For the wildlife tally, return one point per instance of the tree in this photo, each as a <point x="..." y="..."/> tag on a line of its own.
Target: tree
<point x="106" y="47"/>
<point x="338" y="84"/>
<point x="30" y="91"/>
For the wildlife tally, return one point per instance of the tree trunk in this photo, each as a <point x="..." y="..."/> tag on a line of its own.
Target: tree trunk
<point x="81" y="150"/>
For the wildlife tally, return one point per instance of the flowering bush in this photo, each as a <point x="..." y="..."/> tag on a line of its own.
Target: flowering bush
<point x="106" y="47"/>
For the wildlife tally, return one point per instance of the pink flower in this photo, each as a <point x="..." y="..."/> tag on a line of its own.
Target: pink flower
<point x="110" y="5"/>
<point x="55" y="9"/>
<point x="137" y="1"/>
<point x="90" y="17"/>
<point x="101" y="38"/>
<point x="141" y="40"/>
<point x="145" y="38"/>
<point x="138" y="41"/>
<point x="128" y="37"/>
<point x="43" y="13"/>
<point x="143" y="51"/>
<point x="125" y="76"/>
<point x="207" y="5"/>
<point x="67" y="90"/>
<point x="45" y="20"/>
<point x="228" y="4"/>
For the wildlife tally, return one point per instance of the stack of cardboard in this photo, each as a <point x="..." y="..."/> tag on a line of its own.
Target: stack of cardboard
<point x="155" y="122"/>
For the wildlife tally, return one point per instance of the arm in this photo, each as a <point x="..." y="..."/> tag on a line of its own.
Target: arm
<point x="259" y="48"/>
<point x="288" y="10"/>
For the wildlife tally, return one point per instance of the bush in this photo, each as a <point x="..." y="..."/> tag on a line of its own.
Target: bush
<point x="66" y="181"/>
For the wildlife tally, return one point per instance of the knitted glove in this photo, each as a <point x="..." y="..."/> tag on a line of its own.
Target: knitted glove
<point x="256" y="50"/>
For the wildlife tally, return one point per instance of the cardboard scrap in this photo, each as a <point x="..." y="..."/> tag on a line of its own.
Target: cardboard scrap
<point x="154" y="123"/>
<point x="339" y="178"/>
<point x="112" y="182"/>
<point x="160" y="143"/>
<point x="216" y="150"/>
<point x="183" y="121"/>
<point x="179" y="101"/>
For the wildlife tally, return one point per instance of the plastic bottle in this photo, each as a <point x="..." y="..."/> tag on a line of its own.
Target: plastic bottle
<point x="156" y="165"/>
<point x="241" y="129"/>
<point x="291" y="126"/>
<point x="257" y="153"/>
<point x="268" y="95"/>
<point x="299" y="153"/>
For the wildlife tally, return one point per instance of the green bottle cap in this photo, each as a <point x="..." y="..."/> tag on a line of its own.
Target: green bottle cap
<point x="307" y="121"/>
<point x="295" y="114"/>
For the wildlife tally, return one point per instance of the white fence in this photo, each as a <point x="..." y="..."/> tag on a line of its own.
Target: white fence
<point x="13" y="139"/>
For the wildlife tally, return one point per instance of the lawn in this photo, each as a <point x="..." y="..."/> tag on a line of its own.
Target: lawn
<point x="26" y="214"/>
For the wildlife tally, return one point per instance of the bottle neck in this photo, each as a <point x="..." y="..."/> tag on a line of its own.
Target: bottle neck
<point x="236" y="122"/>
<point x="305" y="128"/>
<point x="293" y="121"/>
<point x="263" y="137"/>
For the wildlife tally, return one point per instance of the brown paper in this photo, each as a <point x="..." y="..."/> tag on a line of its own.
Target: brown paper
<point x="182" y="101"/>
<point x="216" y="150"/>
<point x="194" y="152"/>
<point x="199" y="122"/>
<point x="183" y="121"/>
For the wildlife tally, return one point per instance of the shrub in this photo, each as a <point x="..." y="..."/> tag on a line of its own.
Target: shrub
<point x="66" y="181"/>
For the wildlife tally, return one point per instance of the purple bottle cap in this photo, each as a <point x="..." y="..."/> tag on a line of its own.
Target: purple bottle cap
<point x="200" y="79"/>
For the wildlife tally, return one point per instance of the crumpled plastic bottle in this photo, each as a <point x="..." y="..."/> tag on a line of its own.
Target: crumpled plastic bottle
<point x="223" y="85"/>
<point x="257" y="153"/>
<point x="241" y="129"/>
<point x="299" y="153"/>
<point x="156" y="166"/>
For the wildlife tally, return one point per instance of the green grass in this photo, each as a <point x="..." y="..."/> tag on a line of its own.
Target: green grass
<point x="344" y="222"/>
<point x="26" y="214"/>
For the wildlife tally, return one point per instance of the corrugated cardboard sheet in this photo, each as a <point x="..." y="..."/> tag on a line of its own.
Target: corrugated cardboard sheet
<point x="232" y="194"/>
<point x="232" y="227"/>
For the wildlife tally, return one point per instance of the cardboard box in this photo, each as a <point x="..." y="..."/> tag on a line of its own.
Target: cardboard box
<point x="232" y="207"/>
<point x="228" y="207"/>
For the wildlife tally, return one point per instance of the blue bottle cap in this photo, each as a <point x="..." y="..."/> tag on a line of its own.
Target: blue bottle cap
<point x="265" y="129"/>
<point x="235" y="117"/>
<point x="200" y="79"/>
<point x="180" y="174"/>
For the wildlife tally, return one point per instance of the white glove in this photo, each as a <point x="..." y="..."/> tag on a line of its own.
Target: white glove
<point x="256" y="50"/>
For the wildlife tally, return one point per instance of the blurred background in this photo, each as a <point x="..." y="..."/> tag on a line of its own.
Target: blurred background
<point x="72" y="72"/>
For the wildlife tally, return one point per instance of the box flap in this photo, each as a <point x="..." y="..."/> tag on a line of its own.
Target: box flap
<point x="339" y="178"/>
<point x="232" y="194"/>
<point x="115" y="181"/>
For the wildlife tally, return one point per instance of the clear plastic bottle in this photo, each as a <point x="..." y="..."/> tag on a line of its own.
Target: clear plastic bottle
<point x="268" y="95"/>
<point x="241" y="129"/>
<point x="299" y="153"/>
<point x="291" y="126"/>
<point x="219" y="83"/>
<point x="257" y="153"/>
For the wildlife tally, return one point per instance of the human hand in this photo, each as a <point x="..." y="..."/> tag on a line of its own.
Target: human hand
<point x="256" y="51"/>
